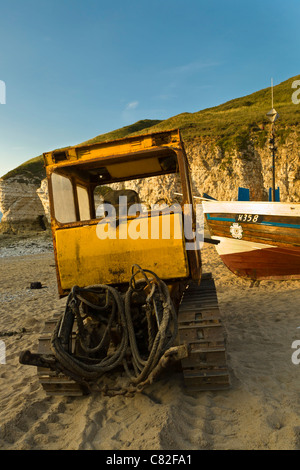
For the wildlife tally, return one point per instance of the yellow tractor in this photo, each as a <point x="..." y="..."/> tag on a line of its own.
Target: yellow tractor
<point x="130" y="269"/>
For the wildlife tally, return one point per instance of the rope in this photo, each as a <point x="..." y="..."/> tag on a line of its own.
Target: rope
<point x="161" y="342"/>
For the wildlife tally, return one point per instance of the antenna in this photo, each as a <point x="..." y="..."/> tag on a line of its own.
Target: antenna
<point x="273" y="116"/>
<point x="272" y="91"/>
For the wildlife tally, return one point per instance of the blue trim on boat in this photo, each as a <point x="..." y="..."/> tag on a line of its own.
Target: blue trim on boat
<point x="225" y="219"/>
<point x="274" y="224"/>
<point x="279" y="224"/>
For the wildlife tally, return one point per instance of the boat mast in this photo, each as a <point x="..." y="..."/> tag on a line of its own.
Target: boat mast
<point x="273" y="116"/>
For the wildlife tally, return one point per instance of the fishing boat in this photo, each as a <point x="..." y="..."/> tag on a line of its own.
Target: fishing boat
<point x="257" y="240"/>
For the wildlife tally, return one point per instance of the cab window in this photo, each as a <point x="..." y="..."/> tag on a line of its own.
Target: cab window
<point x="63" y="198"/>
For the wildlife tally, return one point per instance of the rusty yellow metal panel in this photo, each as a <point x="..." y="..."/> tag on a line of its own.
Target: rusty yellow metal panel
<point x="127" y="169"/>
<point x="119" y="147"/>
<point x="85" y="259"/>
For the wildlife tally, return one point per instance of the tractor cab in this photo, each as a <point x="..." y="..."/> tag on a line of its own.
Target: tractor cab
<point x="113" y="205"/>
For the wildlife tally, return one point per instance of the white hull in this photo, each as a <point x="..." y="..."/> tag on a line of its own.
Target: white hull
<point x="229" y="246"/>
<point x="252" y="207"/>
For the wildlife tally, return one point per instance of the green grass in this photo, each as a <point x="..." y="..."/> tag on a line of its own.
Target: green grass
<point x="231" y="126"/>
<point x="138" y="127"/>
<point x="233" y="123"/>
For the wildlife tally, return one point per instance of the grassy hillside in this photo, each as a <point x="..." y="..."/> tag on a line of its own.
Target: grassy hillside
<point x="231" y="124"/>
<point x="138" y="127"/>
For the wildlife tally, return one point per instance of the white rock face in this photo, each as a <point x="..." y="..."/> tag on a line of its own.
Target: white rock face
<point x="42" y="193"/>
<point x="20" y="204"/>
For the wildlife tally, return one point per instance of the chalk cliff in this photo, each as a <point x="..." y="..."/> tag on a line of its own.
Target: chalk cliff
<point x="21" y="207"/>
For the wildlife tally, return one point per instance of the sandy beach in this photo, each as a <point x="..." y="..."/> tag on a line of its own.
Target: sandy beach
<point x="260" y="411"/>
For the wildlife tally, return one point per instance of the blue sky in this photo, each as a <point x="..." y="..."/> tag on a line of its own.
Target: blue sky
<point x="74" y="69"/>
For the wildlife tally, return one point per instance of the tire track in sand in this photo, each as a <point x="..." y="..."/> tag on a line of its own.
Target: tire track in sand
<point x="47" y="423"/>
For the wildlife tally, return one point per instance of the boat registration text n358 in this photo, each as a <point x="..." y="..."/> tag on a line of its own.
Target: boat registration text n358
<point x="248" y="218"/>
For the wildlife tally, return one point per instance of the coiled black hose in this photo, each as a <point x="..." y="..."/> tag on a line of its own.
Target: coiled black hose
<point x="77" y="368"/>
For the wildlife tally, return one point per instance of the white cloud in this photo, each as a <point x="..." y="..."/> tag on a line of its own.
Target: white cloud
<point x="132" y="105"/>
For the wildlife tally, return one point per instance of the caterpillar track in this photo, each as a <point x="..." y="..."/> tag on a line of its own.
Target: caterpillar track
<point x="200" y="328"/>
